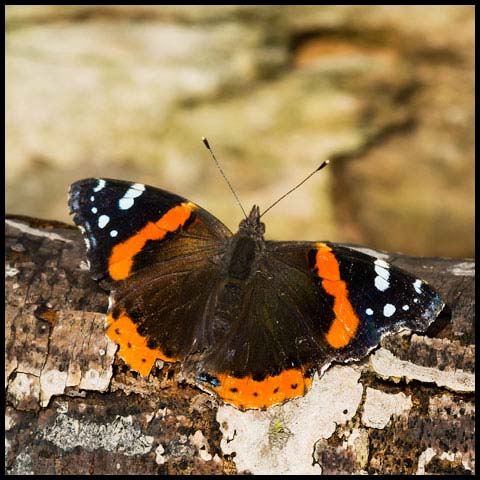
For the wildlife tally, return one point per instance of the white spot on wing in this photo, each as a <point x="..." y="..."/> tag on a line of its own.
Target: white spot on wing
<point x="125" y="203"/>
<point x="103" y="220"/>
<point x="383" y="274"/>
<point x="100" y="185"/>
<point x="388" y="310"/>
<point x="381" y="263"/>
<point x="133" y="192"/>
<point x="369" y="311"/>
<point x="113" y="233"/>
<point x="406" y="308"/>
<point x="92" y="198"/>
<point x="94" y="209"/>
<point x="370" y="252"/>
<point x="381" y="284"/>
<point x="417" y="285"/>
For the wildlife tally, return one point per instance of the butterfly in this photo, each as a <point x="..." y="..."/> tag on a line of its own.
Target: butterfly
<point x="251" y="320"/>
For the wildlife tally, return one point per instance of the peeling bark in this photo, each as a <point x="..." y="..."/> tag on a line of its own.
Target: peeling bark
<point x="74" y="408"/>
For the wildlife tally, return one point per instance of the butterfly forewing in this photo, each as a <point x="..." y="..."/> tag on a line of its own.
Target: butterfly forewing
<point x="127" y="226"/>
<point x="384" y="298"/>
<point x="360" y="297"/>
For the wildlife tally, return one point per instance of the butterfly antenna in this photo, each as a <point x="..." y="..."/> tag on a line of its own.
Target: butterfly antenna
<point x="323" y="165"/>
<point x="205" y="142"/>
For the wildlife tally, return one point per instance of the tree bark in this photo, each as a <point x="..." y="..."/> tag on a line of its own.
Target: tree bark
<point x="72" y="407"/>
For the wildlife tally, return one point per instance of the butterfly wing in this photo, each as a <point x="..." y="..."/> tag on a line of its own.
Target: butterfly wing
<point x="166" y="312"/>
<point x="308" y="305"/>
<point x="384" y="299"/>
<point x="155" y="251"/>
<point x="124" y="224"/>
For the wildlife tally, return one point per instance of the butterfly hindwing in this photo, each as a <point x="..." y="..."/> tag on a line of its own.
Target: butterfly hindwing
<point x="171" y="319"/>
<point x="275" y="340"/>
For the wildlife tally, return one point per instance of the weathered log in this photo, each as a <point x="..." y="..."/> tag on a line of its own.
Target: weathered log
<point x="74" y="408"/>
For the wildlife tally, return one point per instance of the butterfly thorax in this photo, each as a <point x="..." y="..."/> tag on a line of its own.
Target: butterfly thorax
<point x="252" y="225"/>
<point x="246" y="246"/>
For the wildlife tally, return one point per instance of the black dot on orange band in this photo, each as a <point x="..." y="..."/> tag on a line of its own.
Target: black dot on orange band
<point x="129" y="345"/>
<point x="144" y="360"/>
<point x="293" y="386"/>
<point x="276" y="390"/>
<point x="255" y="394"/>
<point x="117" y="331"/>
<point x="234" y="389"/>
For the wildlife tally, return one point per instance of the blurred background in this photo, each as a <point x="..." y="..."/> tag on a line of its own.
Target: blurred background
<point x="385" y="92"/>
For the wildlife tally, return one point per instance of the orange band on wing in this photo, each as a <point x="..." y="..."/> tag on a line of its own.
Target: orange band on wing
<point x="345" y="325"/>
<point x="133" y="346"/>
<point x="249" y="393"/>
<point x="121" y="260"/>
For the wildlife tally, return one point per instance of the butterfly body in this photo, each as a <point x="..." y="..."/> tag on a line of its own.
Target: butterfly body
<point x="246" y="248"/>
<point x="249" y="319"/>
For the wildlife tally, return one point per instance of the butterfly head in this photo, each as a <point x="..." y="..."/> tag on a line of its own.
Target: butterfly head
<point x="252" y="224"/>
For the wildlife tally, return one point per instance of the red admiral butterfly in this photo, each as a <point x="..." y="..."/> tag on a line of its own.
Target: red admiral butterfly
<point x="250" y="319"/>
